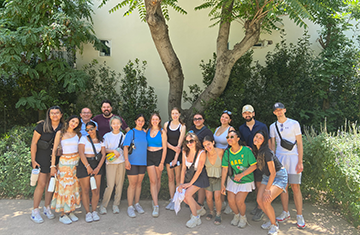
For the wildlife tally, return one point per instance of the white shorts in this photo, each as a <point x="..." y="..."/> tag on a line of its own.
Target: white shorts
<point x="289" y="162"/>
<point x="235" y="188"/>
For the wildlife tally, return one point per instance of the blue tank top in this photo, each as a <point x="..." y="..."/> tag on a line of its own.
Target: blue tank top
<point x="154" y="142"/>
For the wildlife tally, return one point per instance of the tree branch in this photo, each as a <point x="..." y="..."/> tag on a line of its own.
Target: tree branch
<point x="224" y="29"/>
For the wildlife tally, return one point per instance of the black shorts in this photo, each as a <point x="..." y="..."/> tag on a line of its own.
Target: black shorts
<point x="154" y="157"/>
<point x="45" y="163"/>
<point x="170" y="155"/>
<point x="81" y="171"/>
<point x="257" y="175"/>
<point x="136" y="170"/>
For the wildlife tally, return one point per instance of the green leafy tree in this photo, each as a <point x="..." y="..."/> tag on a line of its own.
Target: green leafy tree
<point x="254" y="15"/>
<point x="38" y="41"/>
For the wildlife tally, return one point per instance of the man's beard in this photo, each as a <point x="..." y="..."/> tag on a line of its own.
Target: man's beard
<point x="107" y="113"/>
<point x="248" y="119"/>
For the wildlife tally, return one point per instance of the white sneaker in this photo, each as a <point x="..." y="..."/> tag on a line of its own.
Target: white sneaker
<point x="35" y="216"/>
<point x="47" y="212"/>
<point x="273" y="230"/>
<point x="242" y="222"/>
<point x="88" y="217"/>
<point x="95" y="216"/>
<point x="73" y="217"/>
<point x="65" y="219"/>
<point x="201" y="211"/>
<point x="227" y="209"/>
<point x="139" y="208"/>
<point x="102" y="210"/>
<point x="266" y="225"/>
<point x="195" y="220"/>
<point x="283" y="216"/>
<point x="169" y="205"/>
<point x="172" y="206"/>
<point x="300" y="222"/>
<point x="131" y="212"/>
<point x="235" y="220"/>
<point x="155" y="212"/>
<point x="116" y="209"/>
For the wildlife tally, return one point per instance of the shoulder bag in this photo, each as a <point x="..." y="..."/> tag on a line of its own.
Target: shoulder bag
<point x="230" y="169"/>
<point x="132" y="144"/>
<point x="97" y="155"/>
<point x="285" y="143"/>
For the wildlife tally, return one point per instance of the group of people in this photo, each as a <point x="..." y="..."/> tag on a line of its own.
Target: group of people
<point x="82" y="151"/>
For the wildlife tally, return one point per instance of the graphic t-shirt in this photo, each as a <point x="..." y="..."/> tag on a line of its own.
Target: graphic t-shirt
<point x="240" y="161"/>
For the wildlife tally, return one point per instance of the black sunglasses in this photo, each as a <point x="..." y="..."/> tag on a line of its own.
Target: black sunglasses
<point x="89" y="129"/>
<point x="230" y="137"/>
<point x="189" y="141"/>
<point x="197" y="119"/>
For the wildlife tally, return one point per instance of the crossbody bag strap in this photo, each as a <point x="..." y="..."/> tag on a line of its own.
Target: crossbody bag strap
<point x="92" y="144"/>
<point x="278" y="130"/>
<point x="119" y="145"/>
<point x="193" y="163"/>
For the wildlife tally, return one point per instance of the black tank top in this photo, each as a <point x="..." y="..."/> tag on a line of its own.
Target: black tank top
<point x="173" y="136"/>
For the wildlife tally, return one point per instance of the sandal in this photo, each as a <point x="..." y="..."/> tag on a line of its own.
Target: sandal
<point x="210" y="216"/>
<point x="217" y="220"/>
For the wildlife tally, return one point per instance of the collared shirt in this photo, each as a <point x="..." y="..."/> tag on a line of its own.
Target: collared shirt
<point x="83" y="124"/>
<point x="247" y="135"/>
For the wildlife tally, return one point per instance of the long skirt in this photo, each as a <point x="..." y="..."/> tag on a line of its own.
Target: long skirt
<point x="66" y="197"/>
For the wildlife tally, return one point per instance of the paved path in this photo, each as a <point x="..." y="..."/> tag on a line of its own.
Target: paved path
<point x="14" y="219"/>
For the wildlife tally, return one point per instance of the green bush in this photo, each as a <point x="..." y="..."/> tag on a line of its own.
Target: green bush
<point x="15" y="163"/>
<point x="332" y="170"/>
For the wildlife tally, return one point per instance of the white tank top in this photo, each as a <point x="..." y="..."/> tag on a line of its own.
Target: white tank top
<point x="70" y="145"/>
<point x="188" y="164"/>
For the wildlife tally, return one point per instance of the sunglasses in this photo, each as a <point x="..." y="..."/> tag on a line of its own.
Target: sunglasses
<point x="89" y="129"/>
<point x="230" y="137"/>
<point x="228" y="112"/>
<point x="197" y="119"/>
<point x="189" y="141"/>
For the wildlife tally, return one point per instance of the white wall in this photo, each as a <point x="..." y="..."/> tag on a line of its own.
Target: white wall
<point x="192" y="38"/>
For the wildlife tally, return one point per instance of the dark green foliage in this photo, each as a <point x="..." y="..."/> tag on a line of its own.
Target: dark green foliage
<point x="311" y="87"/>
<point x="332" y="170"/>
<point x="137" y="96"/>
<point x="130" y="97"/>
<point x="101" y="85"/>
<point x="15" y="163"/>
<point x="38" y="42"/>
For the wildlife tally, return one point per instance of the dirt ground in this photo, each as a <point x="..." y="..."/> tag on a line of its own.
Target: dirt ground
<point x="15" y="219"/>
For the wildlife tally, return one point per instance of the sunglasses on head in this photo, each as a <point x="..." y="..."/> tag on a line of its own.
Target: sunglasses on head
<point x="189" y="141"/>
<point x="89" y="129"/>
<point x="227" y="112"/>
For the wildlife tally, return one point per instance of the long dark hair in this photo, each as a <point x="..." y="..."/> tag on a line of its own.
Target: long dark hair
<point x="91" y="123"/>
<point x="66" y="126"/>
<point x="261" y="152"/>
<point x="47" y="123"/>
<point x="197" y="143"/>
<point x="238" y="135"/>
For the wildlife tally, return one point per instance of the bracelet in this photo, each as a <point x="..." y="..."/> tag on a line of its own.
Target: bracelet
<point x="87" y="165"/>
<point x="52" y="166"/>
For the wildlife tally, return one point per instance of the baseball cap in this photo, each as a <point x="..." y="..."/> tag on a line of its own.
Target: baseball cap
<point x="248" y="108"/>
<point x="278" y="105"/>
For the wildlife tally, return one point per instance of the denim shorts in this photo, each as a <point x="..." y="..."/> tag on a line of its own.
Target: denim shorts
<point x="280" y="181"/>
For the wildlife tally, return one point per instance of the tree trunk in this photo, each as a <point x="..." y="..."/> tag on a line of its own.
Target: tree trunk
<point x="225" y="61"/>
<point x="160" y="35"/>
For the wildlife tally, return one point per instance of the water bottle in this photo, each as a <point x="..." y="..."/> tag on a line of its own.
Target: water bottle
<point x="34" y="176"/>
<point x="92" y="182"/>
<point x="51" y="187"/>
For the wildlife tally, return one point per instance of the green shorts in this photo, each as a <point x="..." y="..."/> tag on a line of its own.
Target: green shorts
<point x="215" y="184"/>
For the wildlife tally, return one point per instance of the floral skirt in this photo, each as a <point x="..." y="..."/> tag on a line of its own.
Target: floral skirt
<point x="66" y="197"/>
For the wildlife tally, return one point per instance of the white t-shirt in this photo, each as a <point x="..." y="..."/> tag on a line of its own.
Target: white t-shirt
<point x="288" y="130"/>
<point x="88" y="147"/>
<point x="111" y="142"/>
